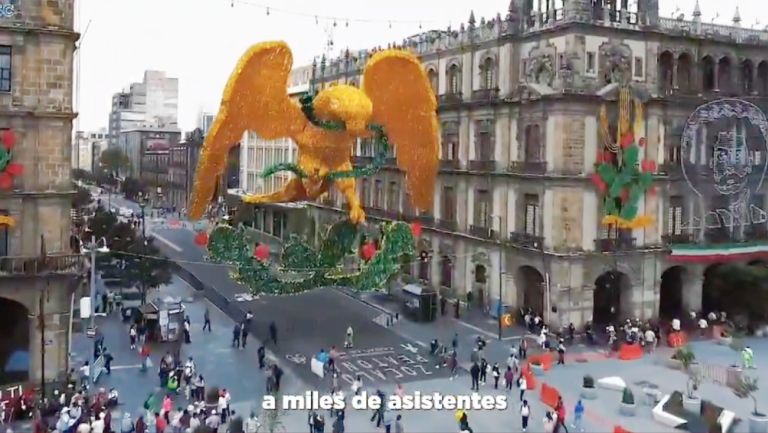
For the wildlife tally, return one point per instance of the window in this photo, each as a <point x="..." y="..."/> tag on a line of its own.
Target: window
<point x="278" y="224"/>
<point x="393" y="196"/>
<point x="446" y="272"/>
<point x="675" y="215"/>
<point x="378" y="195"/>
<point x="532" y="143"/>
<point x="482" y="208"/>
<point x="432" y="75"/>
<point x="454" y="79"/>
<point x="4" y="236"/>
<point x="639" y="73"/>
<point x="484" y="141"/>
<point x="251" y="183"/>
<point x="364" y="192"/>
<point x="531" y="214"/>
<point x="448" y="204"/>
<point x="590" y="62"/>
<point x="487" y="73"/>
<point x="251" y="157"/>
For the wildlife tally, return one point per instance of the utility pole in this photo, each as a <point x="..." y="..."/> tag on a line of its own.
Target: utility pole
<point x="41" y="324"/>
<point x="92" y="321"/>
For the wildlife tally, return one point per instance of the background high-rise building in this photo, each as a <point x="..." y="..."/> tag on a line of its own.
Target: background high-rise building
<point x="150" y="103"/>
<point x="205" y="121"/>
<point x="38" y="271"/>
<point x="87" y="148"/>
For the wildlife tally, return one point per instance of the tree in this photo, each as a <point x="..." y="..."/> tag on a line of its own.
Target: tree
<point x="101" y="223"/>
<point x="741" y="289"/>
<point x="145" y="266"/>
<point x="746" y="388"/>
<point x="82" y="175"/>
<point x="113" y="159"/>
<point x="132" y="187"/>
<point x="82" y="198"/>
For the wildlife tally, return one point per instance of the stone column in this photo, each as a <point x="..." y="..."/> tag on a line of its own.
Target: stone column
<point x="754" y="80"/>
<point x="692" y="292"/>
<point x="675" y="82"/>
<point x="717" y="77"/>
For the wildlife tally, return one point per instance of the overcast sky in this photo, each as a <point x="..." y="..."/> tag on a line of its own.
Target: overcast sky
<point x="199" y="41"/>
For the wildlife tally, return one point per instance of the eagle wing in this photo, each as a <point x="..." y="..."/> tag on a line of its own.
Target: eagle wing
<point x="404" y="104"/>
<point x="256" y="99"/>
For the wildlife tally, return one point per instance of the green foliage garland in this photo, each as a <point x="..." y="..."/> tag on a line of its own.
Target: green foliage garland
<point x="625" y="183"/>
<point x="302" y="267"/>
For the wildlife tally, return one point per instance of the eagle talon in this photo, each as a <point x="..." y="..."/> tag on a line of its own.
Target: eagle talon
<point x="357" y="215"/>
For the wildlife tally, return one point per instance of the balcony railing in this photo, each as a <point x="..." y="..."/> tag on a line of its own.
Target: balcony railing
<point x="528" y="167"/>
<point x="608" y="245"/>
<point x="450" y="164"/>
<point x="451" y="98"/>
<point x="482" y="166"/>
<point x="526" y="240"/>
<point x="670" y="169"/>
<point x="448" y="225"/>
<point x="61" y="264"/>
<point x="362" y="160"/>
<point x="375" y="211"/>
<point x="390" y="161"/>
<point x="485" y="95"/>
<point x="681" y="238"/>
<point x="427" y="220"/>
<point x="482" y="232"/>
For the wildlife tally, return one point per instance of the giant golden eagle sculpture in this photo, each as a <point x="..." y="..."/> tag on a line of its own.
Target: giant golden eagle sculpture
<point x="396" y="96"/>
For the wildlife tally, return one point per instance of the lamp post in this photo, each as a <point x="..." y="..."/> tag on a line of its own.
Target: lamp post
<point x="499" y="307"/>
<point x="142" y="206"/>
<point x="93" y="249"/>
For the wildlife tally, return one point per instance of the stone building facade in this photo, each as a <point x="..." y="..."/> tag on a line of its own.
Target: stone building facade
<point x="515" y="211"/>
<point x="38" y="272"/>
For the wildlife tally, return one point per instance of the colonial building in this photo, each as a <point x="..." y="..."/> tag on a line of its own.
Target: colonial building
<point x="515" y="211"/>
<point x="181" y="168"/>
<point x="38" y="271"/>
<point x="87" y="144"/>
<point x="147" y="150"/>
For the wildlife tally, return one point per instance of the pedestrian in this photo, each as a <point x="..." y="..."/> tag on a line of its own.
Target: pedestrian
<point x="278" y="376"/>
<point x="578" y="414"/>
<point x="388" y="420"/>
<point x="244" y="335"/>
<point x="484" y="368"/>
<point x="207" y="320"/>
<point x="560" y="353"/>
<point x="160" y="423"/>
<point x="261" y="353"/>
<point x="108" y="358"/>
<point x="549" y="423"/>
<point x="320" y="424"/>
<point x="455" y="341"/>
<point x="273" y="332"/>
<point x="357" y="385"/>
<point x="85" y="375"/>
<point x="523" y="349"/>
<point x="110" y="302"/>
<point x="221" y="406"/>
<point x="496" y="375"/>
<point x="97" y="426"/>
<point x="509" y="378"/>
<point x="311" y="415"/>
<point x="132" y="336"/>
<point x="349" y="338"/>
<point x="248" y="318"/>
<point x="378" y="414"/>
<point x="560" y="411"/>
<point x="213" y="421"/>
<point x="464" y="423"/>
<point x="522" y="384"/>
<point x="187" y="336"/>
<point x="474" y="357"/>
<point x="251" y="424"/>
<point x="236" y="336"/>
<point x="474" y="372"/>
<point x="338" y="425"/>
<point x="525" y="413"/>
<point x="104" y="303"/>
<point x="453" y="364"/>
<point x="200" y="387"/>
<point x="399" y="424"/>
<point x="747" y="358"/>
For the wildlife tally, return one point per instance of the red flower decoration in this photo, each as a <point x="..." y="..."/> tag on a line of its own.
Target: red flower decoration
<point x="600" y="158"/>
<point x="14" y="169"/>
<point x="261" y="252"/>
<point x="608" y="156"/>
<point x="9" y="139"/>
<point x="624" y="195"/>
<point x="6" y="181"/>
<point x="599" y="182"/>
<point x="652" y="190"/>
<point x="369" y="250"/>
<point x="648" y="165"/>
<point x="627" y="140"/>
<point x="201" y="239"/>
<point x="416" y="229"/>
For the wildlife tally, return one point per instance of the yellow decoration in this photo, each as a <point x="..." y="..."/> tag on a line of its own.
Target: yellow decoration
<point x="397" y="95"/>
<point x="639" y="222"/>
<point x="7" y="221"/>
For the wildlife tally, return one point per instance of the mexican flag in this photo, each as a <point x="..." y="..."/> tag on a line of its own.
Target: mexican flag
<point x="743" y="251"/>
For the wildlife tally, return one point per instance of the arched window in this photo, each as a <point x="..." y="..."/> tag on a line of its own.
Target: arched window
<point x="685" y="72"/>
<point x="666" y="66"/>
<point x="488" y="74"/>
<point x="747" y="72"/>
<point x="532" y="143"/>
<point x="432" y="76"/>
<point x="724" y="77"/>
<point x="762" y="78"/>
<point x="708" y="74"/>
<point x="454" y="79"/>
<point x="446" y="272"/>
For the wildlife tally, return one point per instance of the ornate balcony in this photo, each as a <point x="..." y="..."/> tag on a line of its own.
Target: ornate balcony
<point x="482" y="232"/>
<point x="670" y="169"/>
<point x="35" y="266"/>
<point x="451" y="99"/>
<point x="390" y="161"/>
<point x="450" y="164"/>
<point x="528" y="167"/>
<point x="362" y="160"/>
<point x="448" y="225"/>
<point x="526" y="240"/>
<point x="375" y="211"/>
<point x="609" y="245"/>
<point x="682" y="238"/>
<point x="482" y="166"/>
<point x="427" y="220"/>
<point x="485" y="95"/>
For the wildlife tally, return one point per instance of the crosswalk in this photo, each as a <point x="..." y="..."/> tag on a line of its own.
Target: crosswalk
<point x="385" y="319"/>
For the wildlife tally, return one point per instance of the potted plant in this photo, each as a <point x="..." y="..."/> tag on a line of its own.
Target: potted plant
<point x="537" y="367"/>
<point x="628" y="405"/>
<point x="588" y="390"/>
<point x="747" y="387"/>
<point x="691" y="401"/>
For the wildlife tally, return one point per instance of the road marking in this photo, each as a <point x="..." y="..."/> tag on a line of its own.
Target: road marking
<point x="475" y="328"/>
<point x="420" y="343"/>
<point x="409" y="347"/>
<point x="167" y="242"/>
<point x="125" y="367"/>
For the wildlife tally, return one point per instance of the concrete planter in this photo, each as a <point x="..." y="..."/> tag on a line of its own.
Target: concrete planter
<point x="692" y="405"/>
<point x="674" y="364"/>
<point x="537" y="369"/>
<point x="725" y="341"/>
<point x="588" y="393"/>
<point x="627" y="409"/>
<point x="758" y="423"/>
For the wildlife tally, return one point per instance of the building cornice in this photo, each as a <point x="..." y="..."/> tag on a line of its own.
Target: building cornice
<point x="21" y="27"/>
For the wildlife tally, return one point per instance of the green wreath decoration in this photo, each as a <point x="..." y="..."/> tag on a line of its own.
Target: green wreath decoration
<point x="8" y="169"/>
<point x="302" y="268"/>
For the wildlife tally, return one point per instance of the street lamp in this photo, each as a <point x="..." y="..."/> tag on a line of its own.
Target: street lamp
<point x="499" y="306"/>
<point x="93" y="249"/>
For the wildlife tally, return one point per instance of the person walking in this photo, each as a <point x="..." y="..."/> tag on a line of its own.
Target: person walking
<point x="522" y="384"/>
<point x="523" y="349"/>
<point x="496" y="375"/>
<point x="349" y="338"/>
<point x="261" y="353"/>
<point x="561" y="353"/>
<point x="474" y="371"/>
<point x="748" y="358"/>
<point x="236" y="336"/>
<point x="273" y="332"/>
<point x="145" y="362"/>
<point x="132" y="334"/>
<point x="187" y="336"/>
<point x="484" y="368"/>
<point x="244" y="335"/>
<point x="509" y="379"/>
<point x="388" y="420"/>
<point x="455" y="341"/>
<point x="560" y="411"/>
<point x="525" y="413"/>
<point x="207" y="320"/>
<point x="549" y="423"/>
<point x="578" y="414"/>
<point x="453" y="364"/>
